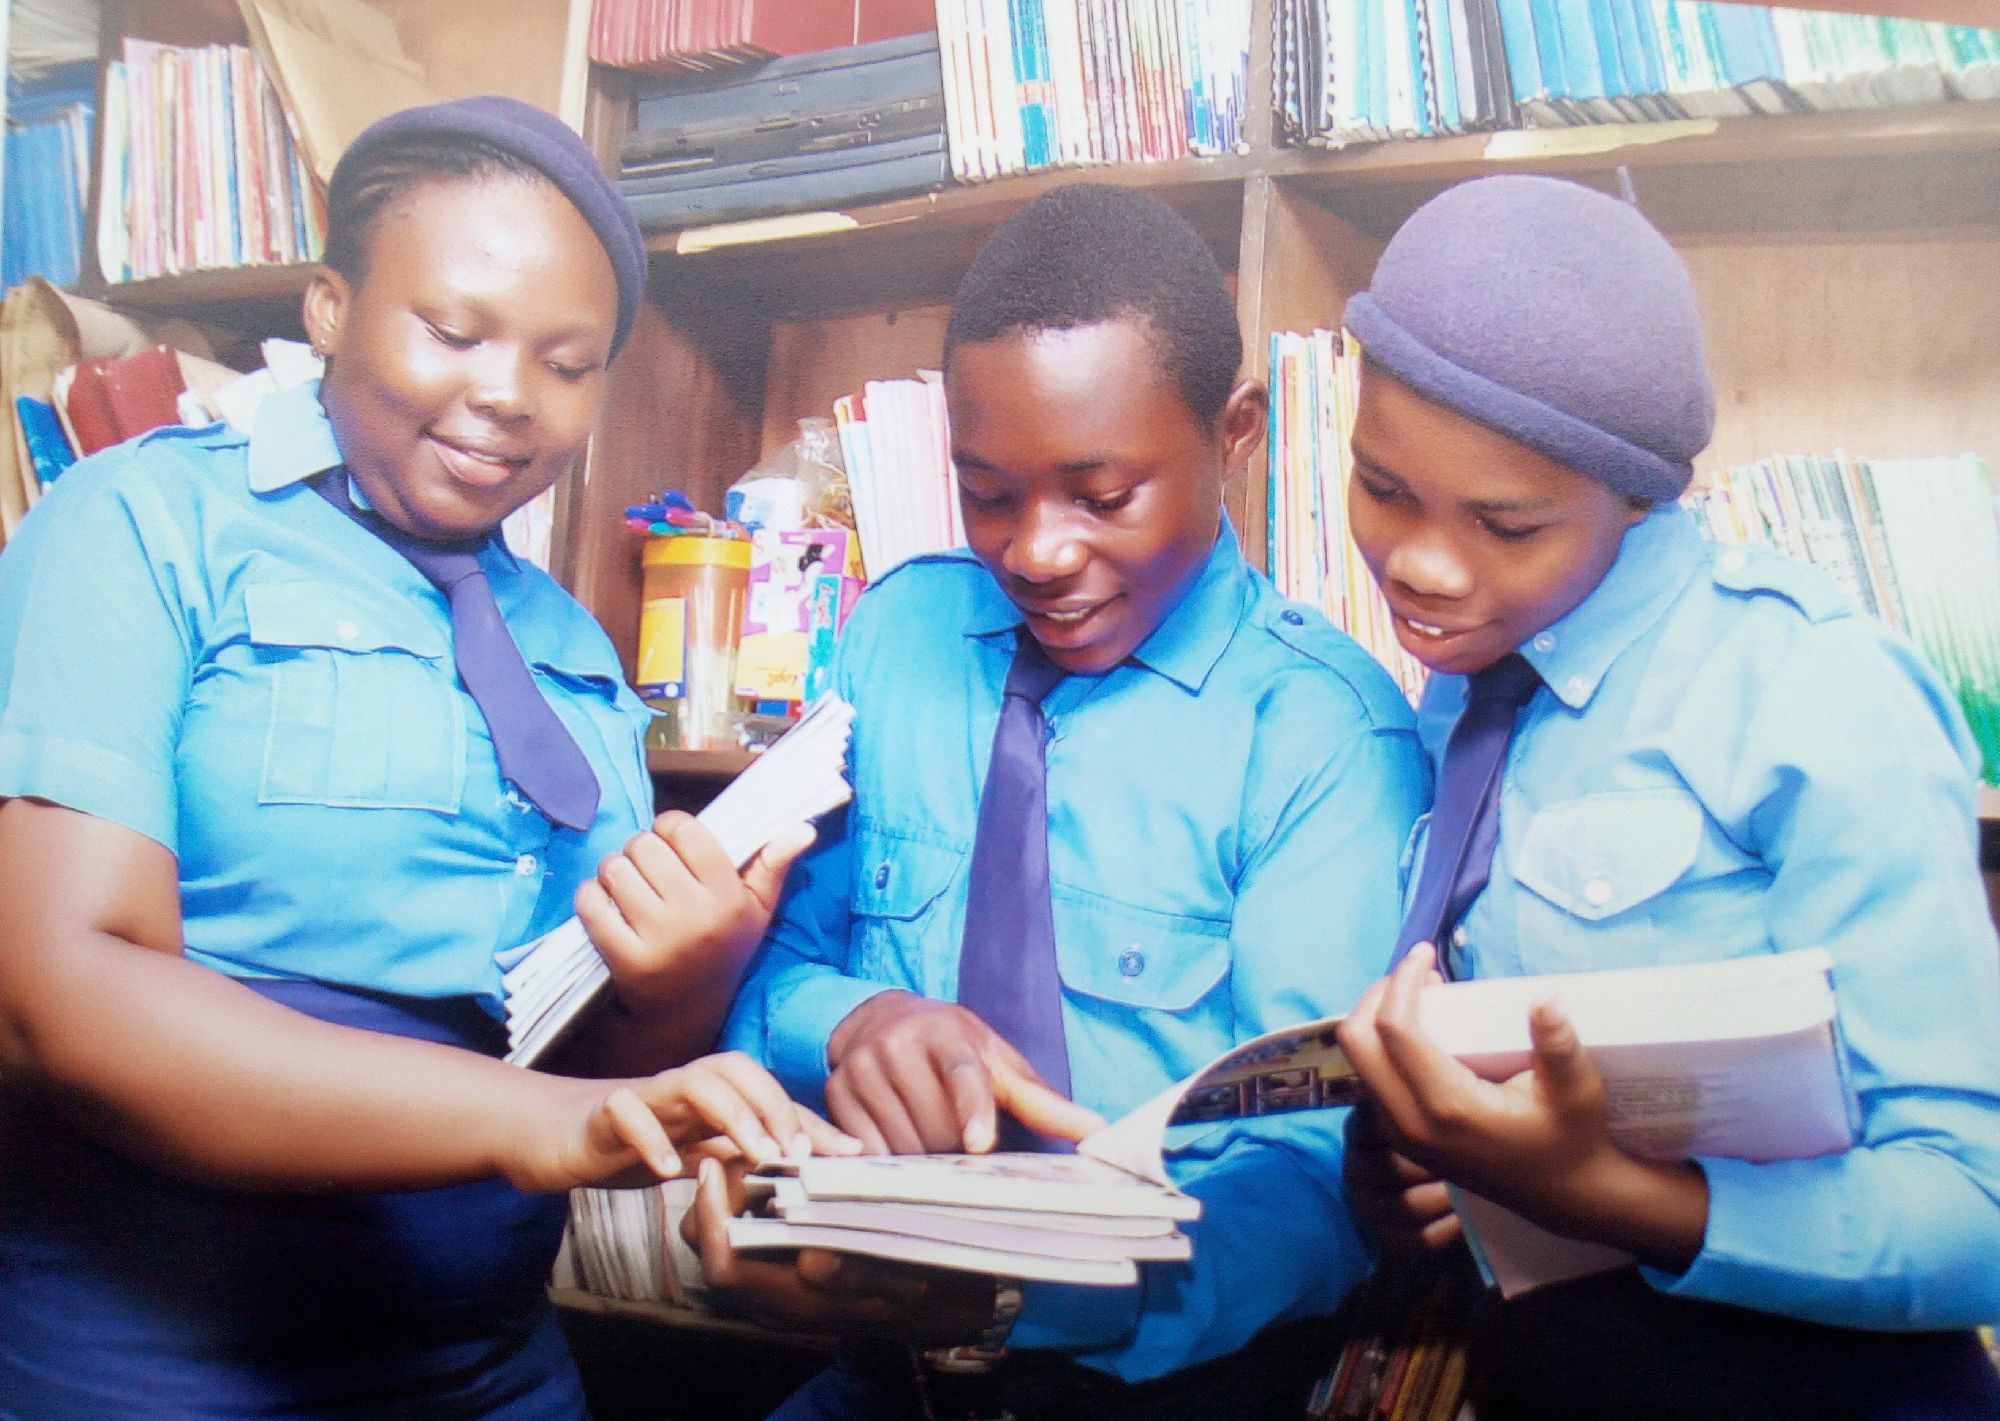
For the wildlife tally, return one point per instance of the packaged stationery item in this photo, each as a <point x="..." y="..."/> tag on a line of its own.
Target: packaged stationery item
<point x="803" y="583"/>
<point x="690" y="614"/>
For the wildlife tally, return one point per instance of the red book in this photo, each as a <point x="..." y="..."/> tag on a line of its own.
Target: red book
<point x="89" y="408"/>
<point x="144" y="390"/>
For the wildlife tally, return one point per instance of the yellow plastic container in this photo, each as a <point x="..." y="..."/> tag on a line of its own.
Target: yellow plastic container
<point x="690" y="616"/>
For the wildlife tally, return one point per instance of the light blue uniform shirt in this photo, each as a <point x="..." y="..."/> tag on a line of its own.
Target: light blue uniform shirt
<point x="1226" y="812"/>
<point x="196" y="645"/>
<point x="1727" y="760"/>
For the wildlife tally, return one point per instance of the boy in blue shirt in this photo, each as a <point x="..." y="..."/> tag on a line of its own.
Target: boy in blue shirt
<point x="1713" y="756"/>
<point x="1229" y="786"/>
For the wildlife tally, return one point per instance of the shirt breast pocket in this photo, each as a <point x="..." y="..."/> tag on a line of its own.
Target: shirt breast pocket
<point x="1597" y="868"/>
<point x="365" y="711"/>
<point x="896" y="900"/>
<point x="1152" y="987"/>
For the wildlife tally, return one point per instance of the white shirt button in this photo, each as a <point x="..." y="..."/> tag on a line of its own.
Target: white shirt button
<point x="1597" y="892"/>
<point x="1458" y="936"/>
<point x="348" y="631"/>
<point x="527" y="865"/>
<point x="1733" y="560"/>
<point x="1576" y="685"/>
<point x="1544" y="643"/>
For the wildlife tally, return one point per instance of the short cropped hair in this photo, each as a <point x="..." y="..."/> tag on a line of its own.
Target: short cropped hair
<point x="1087" y="253"/>
<point x="363" y="190"/>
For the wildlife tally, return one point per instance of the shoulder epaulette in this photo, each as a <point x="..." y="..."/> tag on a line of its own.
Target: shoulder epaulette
<point x="1307" y="631"/>
<point x="1761" y="572"/>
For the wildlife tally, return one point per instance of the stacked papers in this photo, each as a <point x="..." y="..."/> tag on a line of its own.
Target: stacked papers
<point x="1050" y="1218"/>
<point x="550" y="980"/>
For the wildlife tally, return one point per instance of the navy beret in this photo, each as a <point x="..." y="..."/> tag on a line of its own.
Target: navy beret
<point x="1552" y="314"/>
<point x="546" y="143"/>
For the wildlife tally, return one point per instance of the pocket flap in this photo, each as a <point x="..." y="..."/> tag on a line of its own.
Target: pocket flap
<point x="1137" y="956"/>
<point x="899" y="877"/>
<point x="1603" y="854"/>
<point x="325" y="614"/>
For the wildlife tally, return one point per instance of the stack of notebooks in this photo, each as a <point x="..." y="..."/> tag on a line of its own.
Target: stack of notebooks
<point x="199" y="167"/>
<point x="47" y="174"/>
<point x="1051" y="1218"/>
<point x="1912" y="541"/>
<point x="1315" y="379"/>
<point x="827" y="129"/>
<point x="674" y="37"/>
<point x="896" y="443"/>
<point x="550" y="980"/>
<point x="1353" y="70"/>
<point x="1041" y="83"/>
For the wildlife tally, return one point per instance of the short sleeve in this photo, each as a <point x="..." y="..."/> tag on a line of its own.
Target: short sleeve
<point x="96" y="651"/>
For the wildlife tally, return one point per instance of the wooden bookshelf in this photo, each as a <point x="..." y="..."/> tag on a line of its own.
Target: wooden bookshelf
<point x="699" y="764"/>
<point x="1848" y="266"/>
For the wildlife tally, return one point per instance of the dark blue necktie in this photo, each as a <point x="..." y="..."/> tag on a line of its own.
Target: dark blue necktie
<point x="1007" y="959"/>
<point x="1465" y="819"/>
<point x="535" y="749"/>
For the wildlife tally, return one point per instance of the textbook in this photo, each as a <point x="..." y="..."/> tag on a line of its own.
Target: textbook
<point x="1736" y="1058"/>
<point x="550" y="980"/>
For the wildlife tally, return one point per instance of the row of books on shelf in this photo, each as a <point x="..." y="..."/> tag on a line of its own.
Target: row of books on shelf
<point x="47" y="175"/>
<point x="1353" y="70"/>
<point x="895" y="440"/>
<point x="1042" y="83"/>
<point x="677" y="37"/>
<point x="1913" y="541"/>
<point x="200" y="171"/>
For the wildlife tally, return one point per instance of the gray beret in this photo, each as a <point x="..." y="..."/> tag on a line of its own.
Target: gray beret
<point x="1552" y="314"/>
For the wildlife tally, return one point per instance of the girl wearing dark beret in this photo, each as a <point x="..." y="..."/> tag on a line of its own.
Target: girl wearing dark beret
<point x="291" y="748"/>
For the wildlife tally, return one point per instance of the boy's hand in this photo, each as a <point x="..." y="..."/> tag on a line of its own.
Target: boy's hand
<point x="914" y="1076"/>
<point x="615" y="1133"/>
<point x="1405" y="1205"/>
<point x="829" y="1292"/>
<point x="671" y="913"/>
<point x="1525" y="1143"/>
<point x="1540" y="1143"/>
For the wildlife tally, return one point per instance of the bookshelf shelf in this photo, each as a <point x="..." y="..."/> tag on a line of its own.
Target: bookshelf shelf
<point x="698" y="764"/>
<point x="265" y="298"/>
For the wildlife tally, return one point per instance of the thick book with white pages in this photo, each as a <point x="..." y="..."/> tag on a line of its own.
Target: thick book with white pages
<point x="550" y="980"/>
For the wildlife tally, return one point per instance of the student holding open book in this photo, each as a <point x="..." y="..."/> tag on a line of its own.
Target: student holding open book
<point x="1117" y="807"/>
<point x="277" y="783"/>
<point x="1655" y="750"/>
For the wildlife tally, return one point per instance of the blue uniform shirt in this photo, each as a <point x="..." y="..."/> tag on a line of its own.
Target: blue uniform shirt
<point x="1728" y="760"/>
<point x="196" y="645"/>
<point x="1225" y="815"/>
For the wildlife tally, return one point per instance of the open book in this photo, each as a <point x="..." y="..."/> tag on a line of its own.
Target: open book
<point x="550" y="980"/>
<point x="1735" y="1058"/>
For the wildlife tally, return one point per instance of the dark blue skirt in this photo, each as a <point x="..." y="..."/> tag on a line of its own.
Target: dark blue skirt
<point x="128" y="1294"/>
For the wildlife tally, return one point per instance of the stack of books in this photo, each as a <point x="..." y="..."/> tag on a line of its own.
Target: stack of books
<point x="1043" y="83"/>
<point x="896" y="442"/>
<point x="827" y="129"/>
<point x="47" y="175"/>
<point x="1315" y="380"/>
<point x="1354" y="71"/>
<point x="1047" y="1217"/>
<point x="199" y="167"/>
<point x="1912" y="541"/>
<point x="551" y="980"/>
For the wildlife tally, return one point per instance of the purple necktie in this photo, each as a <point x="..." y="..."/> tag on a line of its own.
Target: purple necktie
<point x="1465" y="819"/>
<point x="1007" y="960"/>
<point x="535" y="749"/>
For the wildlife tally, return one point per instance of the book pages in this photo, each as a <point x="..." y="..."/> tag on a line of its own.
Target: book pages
<point x="550" y="980"/>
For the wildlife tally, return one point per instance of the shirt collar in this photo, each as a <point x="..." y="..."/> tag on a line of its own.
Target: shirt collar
<point x="1188" y="642"/>
<point x="1655" y="560"/>
<point x="291" y="440"/>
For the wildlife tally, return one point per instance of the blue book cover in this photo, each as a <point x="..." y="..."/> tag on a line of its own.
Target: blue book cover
<point x="1418" y="70"/>
<point x="1618" y="83"/>
<point x="1583" y="74"/>
<point x="1641" y="43"/>
<point x="1444" y="61"/>
<point x="1524" y="65"/>
<point x="48" y="447"/>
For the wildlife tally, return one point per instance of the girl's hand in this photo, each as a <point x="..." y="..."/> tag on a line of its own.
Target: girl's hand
<point x="1539" y="1143"/>
<point x="612" y="1134"/>
<point x="672" y="916"/>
